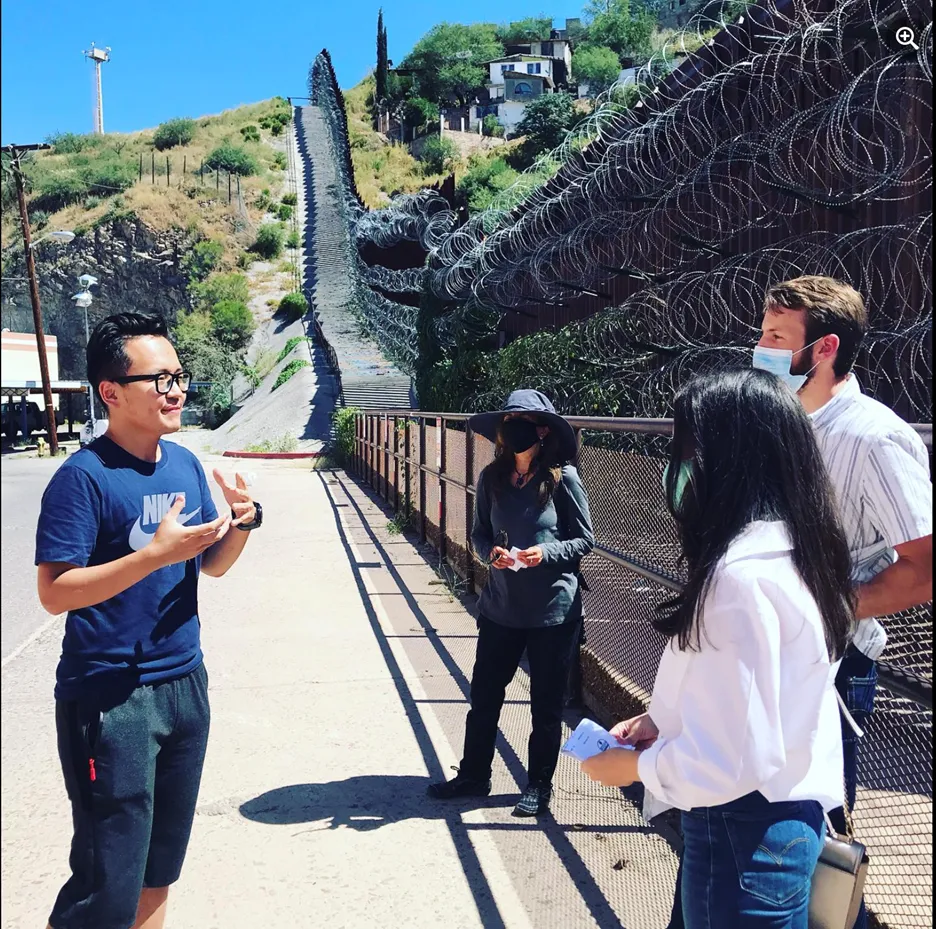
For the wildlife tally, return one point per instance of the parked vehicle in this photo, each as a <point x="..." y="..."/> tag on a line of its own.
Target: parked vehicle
<point x="12" y="417"/>
<point x="92" y="430"/>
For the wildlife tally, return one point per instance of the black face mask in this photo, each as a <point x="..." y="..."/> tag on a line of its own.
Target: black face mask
<point x="519" y="435"/>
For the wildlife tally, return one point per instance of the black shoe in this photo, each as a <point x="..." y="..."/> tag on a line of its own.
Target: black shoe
<point x="534" y="802"/>
<point x="459" y="786"/>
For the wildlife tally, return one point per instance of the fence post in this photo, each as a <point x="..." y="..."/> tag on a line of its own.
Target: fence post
<point x="217" y="178"/>
<point x="141" y="166"/>
<point x="442" y="431"/>
<point x="201" y="174"/>
<point x="396" y="467"/>
<point x="153" y="167"/>
<point x="229" y="186"/>
<point x="167" y="171"/>
<point x="407" y="471"/>
<point x="184" y="167"/>
<point x="240" y="202"/>
<point x="358" y="432"/>
<point x="386" y="457"/>
<point x="469" y="508"/>
<point x="422" y="478"/>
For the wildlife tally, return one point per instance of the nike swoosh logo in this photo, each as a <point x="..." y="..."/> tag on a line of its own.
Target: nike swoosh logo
<point x="139" y="538"/>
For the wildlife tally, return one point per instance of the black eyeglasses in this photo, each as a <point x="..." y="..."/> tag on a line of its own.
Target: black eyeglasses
<point x="163" y="380"/>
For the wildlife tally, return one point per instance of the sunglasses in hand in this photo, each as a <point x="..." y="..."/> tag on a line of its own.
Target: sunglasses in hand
<point x="500" y="541"/>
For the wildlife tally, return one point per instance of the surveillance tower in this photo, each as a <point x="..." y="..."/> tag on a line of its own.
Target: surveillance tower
<point x="97" y="56"/>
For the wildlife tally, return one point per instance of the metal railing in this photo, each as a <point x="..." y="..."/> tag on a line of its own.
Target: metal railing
<point x="426" y="465"/>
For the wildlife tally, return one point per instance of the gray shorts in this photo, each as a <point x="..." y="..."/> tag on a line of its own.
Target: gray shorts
<point x="132" y="772"/>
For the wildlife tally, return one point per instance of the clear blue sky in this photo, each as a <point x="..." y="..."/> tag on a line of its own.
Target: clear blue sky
<point x="194" y="59"/>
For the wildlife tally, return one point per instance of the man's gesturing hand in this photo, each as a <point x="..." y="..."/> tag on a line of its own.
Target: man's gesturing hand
<point x="174" y="543"/>
<point x="237" y="498"/>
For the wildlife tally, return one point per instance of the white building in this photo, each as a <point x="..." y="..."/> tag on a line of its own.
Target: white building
<point x="513" y="82"/>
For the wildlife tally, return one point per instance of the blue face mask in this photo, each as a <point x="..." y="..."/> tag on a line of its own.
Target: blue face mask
<point x="779" y="361"/>
<point x="683" y="476"/>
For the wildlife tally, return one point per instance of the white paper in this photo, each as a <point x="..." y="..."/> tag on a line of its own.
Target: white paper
<point x="590" y="739"/>
<point x="518" y="565"/>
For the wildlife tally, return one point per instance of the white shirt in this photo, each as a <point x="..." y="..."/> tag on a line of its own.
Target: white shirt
<point x="879" y="468"/>
<point x="754" y="708"/>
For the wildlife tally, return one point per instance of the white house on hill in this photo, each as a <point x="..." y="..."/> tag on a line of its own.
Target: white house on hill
<point x="513" y="82"/>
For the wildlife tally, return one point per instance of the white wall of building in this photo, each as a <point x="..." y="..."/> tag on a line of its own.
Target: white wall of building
<point x="20" y="357"/>
<point x="497" y="68"/>
<point x="19" y="360"/>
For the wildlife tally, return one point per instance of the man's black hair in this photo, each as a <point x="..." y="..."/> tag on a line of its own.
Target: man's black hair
<point x="107" y="347"/>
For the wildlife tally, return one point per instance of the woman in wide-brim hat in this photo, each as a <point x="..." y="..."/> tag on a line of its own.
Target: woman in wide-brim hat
<point x="530" y="502"/>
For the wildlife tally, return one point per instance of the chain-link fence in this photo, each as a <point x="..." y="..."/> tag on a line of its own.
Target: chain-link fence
<point x="426" y="466"/>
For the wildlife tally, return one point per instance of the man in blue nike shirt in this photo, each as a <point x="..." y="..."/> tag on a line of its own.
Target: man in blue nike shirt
<point x="127" y="525"/>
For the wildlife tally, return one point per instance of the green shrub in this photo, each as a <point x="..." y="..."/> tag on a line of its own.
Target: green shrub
<point x="276" y="121"/>
<point x="290" y="198"/>
<point x="202" y="259"/>
<point x="483" y="181"/>
<point x="209" y="359"/>
<point x="39" y="218"/>
<point x="220" y="287"/>
<point x="279" y="161"/>
<point x="243" y="261"/>
<point x="294" y="306"/>
<point x="269" y="242"/>
<point x="293" y="240"/>
<point x="285" y="443"/>
<point x="232" y="323"/>
<point x="438" y="154"/>
<point x="419" y="112"/>
<point x="67" y="143"/>
<point x="233" y="159"/>
<point x="284" y="211"/>
<point x="262" y="202"/>
<point x="174" y="132"/>
<point x="108" y="176"/>
<point x="60" y="189"/>
<point x="491" y="127"/>
<point x="344" y="420"/>
<point x="297" y="364"/>
<point x="250" y="133"/>
<point x="289" y="346"/>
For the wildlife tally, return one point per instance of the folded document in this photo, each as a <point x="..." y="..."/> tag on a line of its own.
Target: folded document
<point x="589" y="739"/>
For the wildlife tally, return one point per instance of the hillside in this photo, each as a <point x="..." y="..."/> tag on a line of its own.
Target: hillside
<point x="186" y="220"/>
<point x="87" y="179"/>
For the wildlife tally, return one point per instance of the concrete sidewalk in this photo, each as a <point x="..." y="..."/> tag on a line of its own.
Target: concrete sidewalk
<point x="339" y="668"/>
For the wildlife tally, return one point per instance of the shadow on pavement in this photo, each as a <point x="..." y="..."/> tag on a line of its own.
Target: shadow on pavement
<point x="364" y="802"/>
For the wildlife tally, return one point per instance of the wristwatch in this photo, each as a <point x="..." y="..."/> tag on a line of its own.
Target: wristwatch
<point x="258" y="519"/>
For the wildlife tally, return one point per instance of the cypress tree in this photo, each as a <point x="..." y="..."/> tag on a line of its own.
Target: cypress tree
<point x="382" y="67"/>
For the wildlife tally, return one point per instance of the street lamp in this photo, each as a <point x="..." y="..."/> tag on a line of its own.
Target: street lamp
<point x="83" y="300"/>
<point x="62" y="236"/>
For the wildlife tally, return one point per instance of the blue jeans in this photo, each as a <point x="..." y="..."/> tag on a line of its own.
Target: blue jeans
<point x="749" y="864"/>
<point x="857" y="683"/>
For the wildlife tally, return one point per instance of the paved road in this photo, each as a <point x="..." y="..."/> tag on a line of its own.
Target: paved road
<point x="22" y="481"/>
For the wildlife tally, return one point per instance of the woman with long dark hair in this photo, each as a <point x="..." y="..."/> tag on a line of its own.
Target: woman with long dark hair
<point x="743" y="732"/>
<point x="529" y="501"/>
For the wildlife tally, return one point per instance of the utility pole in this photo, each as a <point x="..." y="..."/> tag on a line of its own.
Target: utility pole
<point x="15" y="152"/>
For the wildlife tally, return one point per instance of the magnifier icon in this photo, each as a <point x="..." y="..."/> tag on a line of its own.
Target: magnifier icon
<point x="905" y="37"/>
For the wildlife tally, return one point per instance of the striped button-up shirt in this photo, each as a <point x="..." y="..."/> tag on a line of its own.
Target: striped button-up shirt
<point x="879" y="468"/>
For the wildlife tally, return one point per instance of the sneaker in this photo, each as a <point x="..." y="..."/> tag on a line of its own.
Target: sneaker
<point x="459" y="786"/>
<point x="534" y="802"/>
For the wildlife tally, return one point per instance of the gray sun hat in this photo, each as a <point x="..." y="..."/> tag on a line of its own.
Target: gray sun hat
<point x="535" y="403"/>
